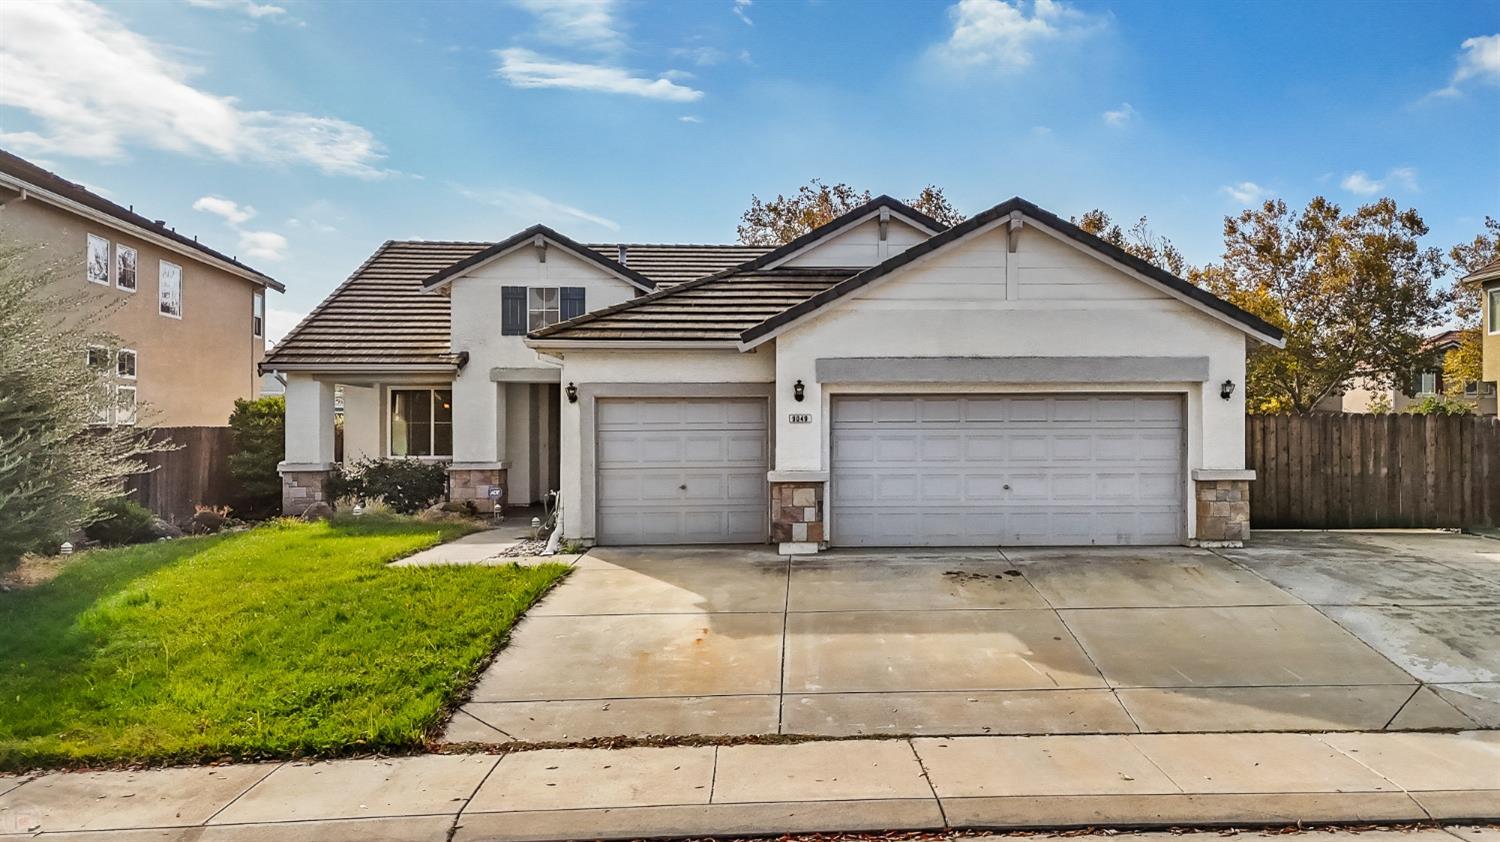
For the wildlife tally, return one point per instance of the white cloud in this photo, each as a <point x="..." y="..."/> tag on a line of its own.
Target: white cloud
<point x="584" y="23"/>
<point x="741" y="11"/>
<point x="1001" y="33"/>
<point x="1479" y="59"/>
<point x="97" y="89"/>
<point x="280" y="322"/>
<point x="248" y="7"/>
<point x="1360" y="183"/>
<point x="229" y="209"/>
<point x="1119" y="116"/>
<point x="529" y="207"/>
<point x="262" y="245"/>
<point x="701" y="56"/>
<point x="1246" y="192"/>
<point x="689" y="118"/>
<point x="525" y="69"/>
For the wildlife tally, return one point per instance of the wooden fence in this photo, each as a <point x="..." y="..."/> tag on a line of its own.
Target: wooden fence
<point x="1350" y="471"/>
<point x="197" y="472"/>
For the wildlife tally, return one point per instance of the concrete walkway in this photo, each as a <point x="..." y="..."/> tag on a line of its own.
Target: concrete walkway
<point x="846" y="785"/>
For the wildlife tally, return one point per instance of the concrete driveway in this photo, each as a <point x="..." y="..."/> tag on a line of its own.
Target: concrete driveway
<point x="1302" y="631"/>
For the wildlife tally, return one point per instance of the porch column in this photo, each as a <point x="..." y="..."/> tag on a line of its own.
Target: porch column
<point x="309" y="444"/>
<point x="478" y="464"/>
<point x="1221" y="500"/>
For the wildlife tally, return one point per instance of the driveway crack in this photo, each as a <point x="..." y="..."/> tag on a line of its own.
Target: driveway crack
<point x="786" y="607"/>
<point x="927" y="776"/>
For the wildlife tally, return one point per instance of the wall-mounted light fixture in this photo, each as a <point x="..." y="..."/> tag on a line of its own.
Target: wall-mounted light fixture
<point x="1226" y="389"/>
<point x="572" y="392"/>
<point x="799" y="391"/>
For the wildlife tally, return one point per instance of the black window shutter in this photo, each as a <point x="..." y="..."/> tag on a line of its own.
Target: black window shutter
<point x="572" y="302"/>
<point x="513" y="311"/>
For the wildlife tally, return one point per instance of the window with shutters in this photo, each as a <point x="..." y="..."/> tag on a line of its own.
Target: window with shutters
<point x="543" y="307"/>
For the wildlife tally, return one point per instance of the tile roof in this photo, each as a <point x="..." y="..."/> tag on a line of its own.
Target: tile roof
<point x="1488" y="272"/>
<point x="382" y="315"/>
<point x="23" y="170"/>
<point x="713" y="309"/>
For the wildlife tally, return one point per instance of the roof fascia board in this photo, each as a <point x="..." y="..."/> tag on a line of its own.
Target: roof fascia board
<point x="528" y="238"/>
<point x="1155" y="284"/>
<point x="874" y="213"/>
<point x="31" y="191"/>
<point x="363" y="368"/>
<point x="634" y="344"/>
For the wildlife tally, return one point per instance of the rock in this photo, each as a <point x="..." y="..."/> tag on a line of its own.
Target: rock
<point x="206" y="521"/>
<point x="318" y="511"/>
<point x="160" y="529"/>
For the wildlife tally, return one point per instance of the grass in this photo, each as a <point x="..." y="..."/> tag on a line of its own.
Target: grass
<point x="289" y="639"/>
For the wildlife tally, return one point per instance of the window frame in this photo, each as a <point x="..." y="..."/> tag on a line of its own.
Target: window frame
<point x="390" y="427"/>
<point x="161" y="276"/>
<point x="135" y="268"/>
<point x="135" y="361"/>
<point x="1492" y="310"/>
<point x="1422" y="378"/>
<point x="258" y="315"/>
<point x="88" y="261"/>
<point x="555" y="310"/>
<point x="118" y="408"/>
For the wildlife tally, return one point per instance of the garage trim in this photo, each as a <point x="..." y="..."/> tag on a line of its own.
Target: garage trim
<point x="995" y="370"/>
<point x="590" y="393"/>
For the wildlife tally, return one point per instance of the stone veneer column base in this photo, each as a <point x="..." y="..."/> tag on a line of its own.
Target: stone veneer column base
<point x="797" y="516"/>
<point x="473" y="485"/>
<point x="1223" y="512"/>
<point x="301" y="488"/>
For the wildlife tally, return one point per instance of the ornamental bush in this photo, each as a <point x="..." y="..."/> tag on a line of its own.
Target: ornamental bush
<point x="406" y="486"/>
<point x="121" y="521"/>
<point x="259" y="431"/>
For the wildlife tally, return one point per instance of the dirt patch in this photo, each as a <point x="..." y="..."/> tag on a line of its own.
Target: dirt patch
<point x="31" y="571"/>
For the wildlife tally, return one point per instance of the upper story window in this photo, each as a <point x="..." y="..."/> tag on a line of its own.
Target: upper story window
<point x="1492" y="310"/>
<point x="125" y="266"/>
<point x="169" y="298"/>
<point x="258" y="315"/>
<point x="524" y="309"/>
<point x="421" y="422"/>
<point x="97" y="270"/>
<point x="1427" y="383"/>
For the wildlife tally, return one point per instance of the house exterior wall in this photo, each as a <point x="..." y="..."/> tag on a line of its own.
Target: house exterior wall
<point x="1491" y="340"/>
<point x="860" y="245"/>
<point x="189" y="370"/>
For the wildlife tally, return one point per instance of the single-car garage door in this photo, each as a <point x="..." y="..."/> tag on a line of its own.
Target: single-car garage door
<point x="1007" y="470"/>
<point x="681" y="471"/>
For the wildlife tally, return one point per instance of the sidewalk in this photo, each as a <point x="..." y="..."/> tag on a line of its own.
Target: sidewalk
<point x="845" y="785"/>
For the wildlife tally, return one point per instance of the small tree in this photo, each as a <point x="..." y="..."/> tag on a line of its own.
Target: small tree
<point x="1138" y="240"/>
<point x="259" y="431"/>
<point x="56" y="467"/>
<point x="785" y="218"/>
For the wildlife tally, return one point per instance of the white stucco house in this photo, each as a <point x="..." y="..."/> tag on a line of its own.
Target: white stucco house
<point x="880" y="381"/>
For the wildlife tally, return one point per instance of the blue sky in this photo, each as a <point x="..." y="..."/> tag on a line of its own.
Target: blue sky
<point x="301" y="135"/>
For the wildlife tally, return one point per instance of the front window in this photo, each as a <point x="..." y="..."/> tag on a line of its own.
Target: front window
<point x="421" y="422"/>
<point x="544" y="307"/>
<point x="170" y="295"/>
<point x="258" y="315"/>
<point x="98" y="260"/>
<point x="1493" y="315"/>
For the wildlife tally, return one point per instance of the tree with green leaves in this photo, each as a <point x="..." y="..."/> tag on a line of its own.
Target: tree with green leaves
<point x="1138" y="240"/>
<point x="1356" y="294"/>
<point x="785" y="218"/>
<point x="259" y="431"/>
<point x="1465" y="363"/>
<point x="56" y="466"/>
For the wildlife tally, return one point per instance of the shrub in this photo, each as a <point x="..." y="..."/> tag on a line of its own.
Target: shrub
<point x="121" y="521"/>
<point x="1441" y="405"/>
<point x="259" y="430"/>
<point x="407" y="486"/>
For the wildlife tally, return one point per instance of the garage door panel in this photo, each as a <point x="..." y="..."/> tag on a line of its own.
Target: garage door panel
<point x="681" y="471"/>
<point x="1033" y="469"/>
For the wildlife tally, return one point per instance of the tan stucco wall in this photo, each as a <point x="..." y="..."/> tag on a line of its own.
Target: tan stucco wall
<point x="1491" y="345"/>
<point x="189" y="370"/>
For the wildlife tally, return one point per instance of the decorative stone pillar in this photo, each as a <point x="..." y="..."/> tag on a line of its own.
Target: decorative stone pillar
<point x="1222" y="499"/>
<point x="471" y="483"/>
<point x="302" y="486"/>
<point x="797" y="516"/>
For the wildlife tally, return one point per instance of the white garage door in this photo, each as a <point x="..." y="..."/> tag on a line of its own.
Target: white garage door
<point x="681" y="471"/>
<point x="1007" y="470"/>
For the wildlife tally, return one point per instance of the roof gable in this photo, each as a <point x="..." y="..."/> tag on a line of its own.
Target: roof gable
<point x="534" y="235"/>
<point x="867" y="211"/>
<point x="1017" y="211"/>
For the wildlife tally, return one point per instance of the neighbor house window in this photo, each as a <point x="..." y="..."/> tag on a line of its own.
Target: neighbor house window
<point x="543" y="306"/>
<point x="125" y="405"/>
<point x="169" y="298"/>
<point x="125" y="364"/>
<point x="97" y="270"/>
<point x="125" y="266"/>
<point x="1427" y="383"/>
<point x="421" y="422"/>
<point x="1493" y="314"/>
<point x="101" y="394"/>
<point x="258" y="315"/>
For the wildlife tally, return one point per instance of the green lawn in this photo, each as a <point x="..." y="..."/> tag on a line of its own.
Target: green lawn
<point x="288" y="639"/>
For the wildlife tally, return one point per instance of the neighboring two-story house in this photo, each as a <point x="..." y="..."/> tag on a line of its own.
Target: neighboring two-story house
<point x="1429" y="382"/>
<point x="1488" y="279"/>
<point x="883" y="380"/>
<point x="190" y="320"/>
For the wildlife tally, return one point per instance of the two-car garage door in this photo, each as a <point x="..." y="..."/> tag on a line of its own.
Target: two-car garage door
<point x="1007" y="470"/>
